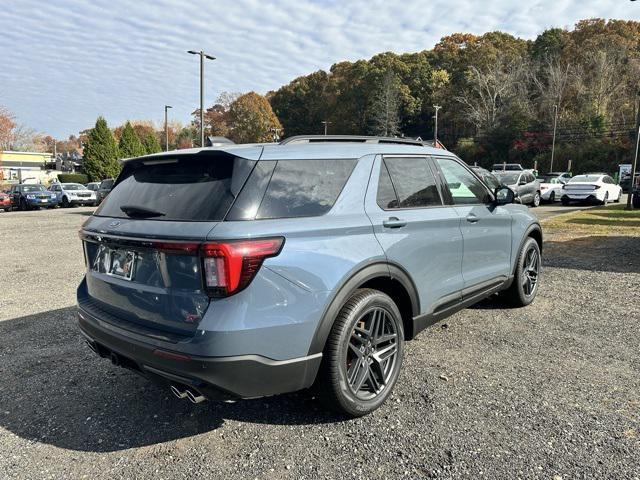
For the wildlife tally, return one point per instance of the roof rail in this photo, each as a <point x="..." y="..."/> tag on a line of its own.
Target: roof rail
<point x="348" y="139"/>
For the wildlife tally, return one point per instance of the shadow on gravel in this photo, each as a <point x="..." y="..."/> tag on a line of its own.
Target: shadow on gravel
<point x="57" y="391"/>
<point x="620" y="254"/>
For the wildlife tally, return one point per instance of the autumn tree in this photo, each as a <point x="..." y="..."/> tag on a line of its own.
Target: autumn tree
<point x="7" y="126"/>
<point x="130" y="145"/>
<point x="252" y="119"/>
<point x="100" y="152"/>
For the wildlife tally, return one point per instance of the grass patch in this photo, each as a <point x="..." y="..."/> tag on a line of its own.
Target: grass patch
<point x="609" y="220"/>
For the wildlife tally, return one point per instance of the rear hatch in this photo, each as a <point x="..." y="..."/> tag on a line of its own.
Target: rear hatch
<point x="142" y="246"/>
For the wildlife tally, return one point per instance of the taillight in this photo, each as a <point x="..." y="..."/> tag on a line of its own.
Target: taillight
<point x="229" y="267"/>
<point x="595" y="187"/>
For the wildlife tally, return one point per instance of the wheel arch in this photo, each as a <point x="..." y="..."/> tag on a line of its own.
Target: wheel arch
<point x="388" y="278"/>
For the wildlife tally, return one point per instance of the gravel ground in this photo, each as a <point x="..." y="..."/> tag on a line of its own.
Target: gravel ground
<point x="548" y="391"/>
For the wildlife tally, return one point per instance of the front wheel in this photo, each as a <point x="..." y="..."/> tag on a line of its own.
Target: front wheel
<point x="552" y="197"/>
<point x="65" y="202"/>
<point x="524" y="288"/>
<point x="23" y="205"/>
<point x="606" y="198"/>
<point x="363" y="355"/>
<point x="617" y="200"/>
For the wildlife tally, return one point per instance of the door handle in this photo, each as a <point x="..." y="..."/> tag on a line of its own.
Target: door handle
<point x="472" y="218"/>
<point x="394" y="222"/>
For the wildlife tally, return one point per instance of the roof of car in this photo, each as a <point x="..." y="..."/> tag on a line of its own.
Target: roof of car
<point x="334" y="148"/>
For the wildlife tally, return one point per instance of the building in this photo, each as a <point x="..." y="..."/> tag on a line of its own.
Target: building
<point x="17" y="166"/>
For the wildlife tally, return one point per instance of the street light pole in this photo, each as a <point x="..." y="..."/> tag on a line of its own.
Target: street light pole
<point x="325" y="123"/>
<point x="553" y="143"/>
<point x="435" y="127"/>
<point x="202" y="57"/>
<point x="166" y="128"/>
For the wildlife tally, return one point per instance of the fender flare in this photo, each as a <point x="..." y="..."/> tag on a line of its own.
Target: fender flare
<point x="534" y="227"/>
<point x="369" y="272"/>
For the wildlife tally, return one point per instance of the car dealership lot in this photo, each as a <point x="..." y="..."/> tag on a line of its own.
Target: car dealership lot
<point x="551" y="389"/>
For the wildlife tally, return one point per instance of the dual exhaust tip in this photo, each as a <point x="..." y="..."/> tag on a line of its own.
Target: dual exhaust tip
<point x="182" y="392"/>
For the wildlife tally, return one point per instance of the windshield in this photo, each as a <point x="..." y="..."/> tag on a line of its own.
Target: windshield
<point x="508" y="178"/>
<point x="73" y="186"/>
<point x="585" y="178"/>
<point x="187" y="189"/>
<point x="33" y="188"/>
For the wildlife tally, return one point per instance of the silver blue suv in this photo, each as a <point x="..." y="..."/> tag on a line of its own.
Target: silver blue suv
<point x="254" y="270"/>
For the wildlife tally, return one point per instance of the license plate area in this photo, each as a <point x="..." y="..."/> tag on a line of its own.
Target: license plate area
<point x="115" y="262"/>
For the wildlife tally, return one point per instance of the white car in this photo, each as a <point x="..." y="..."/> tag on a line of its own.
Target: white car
<point x="71" y="194"/>
<point x="592" y="188"/>
<point x="551" y="186"/>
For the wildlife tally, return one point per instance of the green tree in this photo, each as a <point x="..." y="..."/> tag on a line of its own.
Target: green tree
<point x="150" y="143"/>
<point x="100" y="152"/>
<point x="386" y="107"/>
<point x="130" y="145"/>
<point x="252" y="119"/>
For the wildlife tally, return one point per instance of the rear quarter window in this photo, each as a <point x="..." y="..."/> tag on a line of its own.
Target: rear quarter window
<point x="291" y="188"/>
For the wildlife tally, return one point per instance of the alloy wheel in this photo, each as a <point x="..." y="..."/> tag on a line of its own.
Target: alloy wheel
<point x="530" y="271"/>
<point x="372" y="353"/>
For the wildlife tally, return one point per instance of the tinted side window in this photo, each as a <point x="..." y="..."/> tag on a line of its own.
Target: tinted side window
<point x="386" y="194"/>
<point x="465" y="188"/>
<point x="414" y="182"/>
<point x="304" y="188"/>
<point x="249" y="200"/>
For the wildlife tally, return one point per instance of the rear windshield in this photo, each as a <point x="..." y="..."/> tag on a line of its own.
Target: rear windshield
<point x="585" y="178"/>
<point x="188" y="189"/>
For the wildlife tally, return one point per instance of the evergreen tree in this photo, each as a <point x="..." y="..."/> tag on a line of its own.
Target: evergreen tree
<point x="130" y="145"/>
<point x="100" y="153"/>
<point x="151" y="143"/>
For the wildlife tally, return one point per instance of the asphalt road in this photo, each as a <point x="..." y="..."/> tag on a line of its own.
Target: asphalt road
<point x="549" y="391"/>
<point x="547" y="210"/>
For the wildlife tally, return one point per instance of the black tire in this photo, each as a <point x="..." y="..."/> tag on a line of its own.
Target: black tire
<point x="536" y="200"/>
<point x="346" y="366"/>
<point x="552" y="197"/>
<point x="635" y="200"/>
<point x="617" y="200"/>
<point x="606" y="198"/>
<point x="8" y="209"/>
<point x="65" y="202"/>
<point x="565" y="201"/>
<point x="23" y="205"/>
<point x="525" y="284"/>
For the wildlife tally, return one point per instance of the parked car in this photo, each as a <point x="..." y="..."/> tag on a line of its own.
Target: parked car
<point x="93" y="186"/>
<point x="625" y="182"/>
<point x="551" y="186"/>
<point x="253" y="270"/>
<point x="104" y="189"/>
<point x="526" y="186"/>
<point x="29" y="196"/>
<point x="503" y="167"/>
<point x="591" y="188"/>
<point x="635" y="199"/>
<point x="73" y="194"/>
<point x="5" y="201"/>
<point x="487" y="177"/>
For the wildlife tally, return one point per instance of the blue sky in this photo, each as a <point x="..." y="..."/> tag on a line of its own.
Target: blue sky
<point x="64" y="62"/>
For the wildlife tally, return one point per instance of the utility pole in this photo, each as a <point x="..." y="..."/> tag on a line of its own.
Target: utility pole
<point x="166" y="128"/>
<point x="325" y="123"/>
<point x="435" y="127"/>
<point x="276" y="134"/>
<point x="553" y="143"/>
<point x="634" y="168"/>
<point x="202" y="57"/>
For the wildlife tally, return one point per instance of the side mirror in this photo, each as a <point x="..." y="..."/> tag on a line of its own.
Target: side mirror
<point x="504" y="195"/>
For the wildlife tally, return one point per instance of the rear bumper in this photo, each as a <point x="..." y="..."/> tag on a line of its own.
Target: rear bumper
<point x="245" y="376"/>
<point x="582" y="197"/>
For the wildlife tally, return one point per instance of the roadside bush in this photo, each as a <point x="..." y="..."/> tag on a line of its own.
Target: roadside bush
<point x="73" y="178"/>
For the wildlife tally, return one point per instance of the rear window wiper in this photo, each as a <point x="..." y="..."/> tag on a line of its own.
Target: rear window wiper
<point x="137" y="211"/>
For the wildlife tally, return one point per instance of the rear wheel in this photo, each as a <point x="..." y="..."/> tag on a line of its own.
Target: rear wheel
<point x="525" y="282"/>
<point x="606" y="198"/>
<point x="363" y="356"/>
<point x="617" y="200"/>
<point x="552" y="197"/>
<point x="565" y="201"/>
<point x="536" y="200"/>
<point x="23" y="204"/>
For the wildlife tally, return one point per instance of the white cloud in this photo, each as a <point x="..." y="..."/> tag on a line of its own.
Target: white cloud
<point x="66" y="62"/>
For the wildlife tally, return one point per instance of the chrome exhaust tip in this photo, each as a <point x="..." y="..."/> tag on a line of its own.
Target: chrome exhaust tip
<point x="195" y="397"/>
<point x="177" y="392"/>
